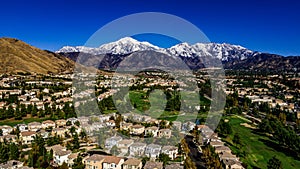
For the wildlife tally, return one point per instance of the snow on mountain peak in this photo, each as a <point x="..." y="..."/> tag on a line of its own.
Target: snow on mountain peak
<point x="127" y="45"/>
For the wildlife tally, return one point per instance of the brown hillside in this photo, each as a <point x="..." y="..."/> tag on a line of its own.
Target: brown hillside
<point x="17" y="56"/>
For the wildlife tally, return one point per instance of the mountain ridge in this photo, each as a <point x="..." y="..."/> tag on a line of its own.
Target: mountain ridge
<point x="123" y="46"/>
<point x="18" y="56"/>
<point x="232" y="56"/>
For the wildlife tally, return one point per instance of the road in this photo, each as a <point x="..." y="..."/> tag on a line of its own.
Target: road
<point x="195" y="155"/>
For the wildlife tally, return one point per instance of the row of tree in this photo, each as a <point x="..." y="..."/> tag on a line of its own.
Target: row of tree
<point x="285" y="136"/>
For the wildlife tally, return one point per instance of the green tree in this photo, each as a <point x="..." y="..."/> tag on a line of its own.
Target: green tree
<point x="237" y="139"/>
<point x="144" y="160"/>
<point x="75" y="142"/>
<point x="274" y="163"/>
<point x="114" y="150"/>
<point x="78" y="163"/>
<point x="164" y="158"/>
<point x="13" y="151"/>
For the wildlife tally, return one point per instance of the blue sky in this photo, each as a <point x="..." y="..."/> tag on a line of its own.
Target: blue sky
<point x="267" y="26"/>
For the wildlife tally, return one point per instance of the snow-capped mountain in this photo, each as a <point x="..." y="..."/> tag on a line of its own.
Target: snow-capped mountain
<point x="123" y="46"/>
<point x="126" y="45"/>
<point x="195" y="56"/>
<point x="225" y="52"/>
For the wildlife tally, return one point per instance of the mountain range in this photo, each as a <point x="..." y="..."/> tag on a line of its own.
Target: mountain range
<point x="231" y="56"/>
<point x="18" y="56"/>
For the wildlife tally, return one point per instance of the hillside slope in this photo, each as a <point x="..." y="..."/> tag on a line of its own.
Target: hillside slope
<point x="17" y="56"/>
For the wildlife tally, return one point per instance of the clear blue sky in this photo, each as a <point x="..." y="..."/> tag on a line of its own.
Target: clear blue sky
<point x="267" y="26"/>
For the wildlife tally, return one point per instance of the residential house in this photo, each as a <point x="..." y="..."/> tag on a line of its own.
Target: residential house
<point x="112" y="162"/>
<point x="132" y="163"/>
<point x="6" y="129"/>
<point x="94" y="162"/>
<point x="123" y="145"/>
<point x="8" y="138"/>
<point x="216" y="143"/>
<point x="22" y="127"/>
<point x="152" y="131"/>
<point x="137" y="129"/>
<point x="232" y="164"/>
<point x="137" y="149"/>
<point x="126" y="126"/>
<point x="176" y="125"/>
<point x="174" y="166"/>
<point x="171" y="151"/>
<point x="110" y="123"/>
<point x="34" y="126"/>
<point x="221" y="149"/>
<point x="48" y="124"/>
<point x="188" y="126"/>
<point x="103" y="118"/>
<point x="71" y="159"/>
<point x="27" y="136"/>
<point x="72" y="120"/>
<point x="153" y="165"/>
<point x="152" y="151"/>
<point x="227" y="156"/>
<point x="12" y="164"/>
<point x="59" y="132"/>
<point x="167" y="133"/>
<point x="61" y="156"/>
<point x="112" y="141"/>
<point x="60" y="123"/>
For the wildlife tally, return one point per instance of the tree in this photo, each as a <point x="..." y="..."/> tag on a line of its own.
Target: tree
<point x="144" y="160"/>
<point x="164" y="158"/>
<point x="274" y="163"/>
<point x="224" y="128"/>
<point x="237" y="139"/>
<point x="114" y="150"/>
<point x="163" y="124"/>
<point x="78" y="163"/>
<point x="4" y="155"/>
<point x="118" y="120"/>
<point x="83" y="135"/>
<point x="75" y="142"/>
<point x="34" y="111"/>
<point x="13" y="151"/>
<point x="18" y="114"/>
<point x="77" y="123"/>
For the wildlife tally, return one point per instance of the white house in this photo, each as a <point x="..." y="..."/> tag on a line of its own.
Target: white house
<point x="171" y="151"/>
<point x="137" y="149"/>
<point x="61" y="156"/>
<point x="110" y="142"/>
<point x="151" y="130"/>
<point x="152" y="151"/>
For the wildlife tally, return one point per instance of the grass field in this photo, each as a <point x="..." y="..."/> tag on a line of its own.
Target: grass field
<point x="256" y="147"/>
<point x="154" y="106"/>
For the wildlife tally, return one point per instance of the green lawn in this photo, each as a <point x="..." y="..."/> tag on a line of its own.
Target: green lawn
<point x="154" y="105"/>
<point x="254" y="144"/>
